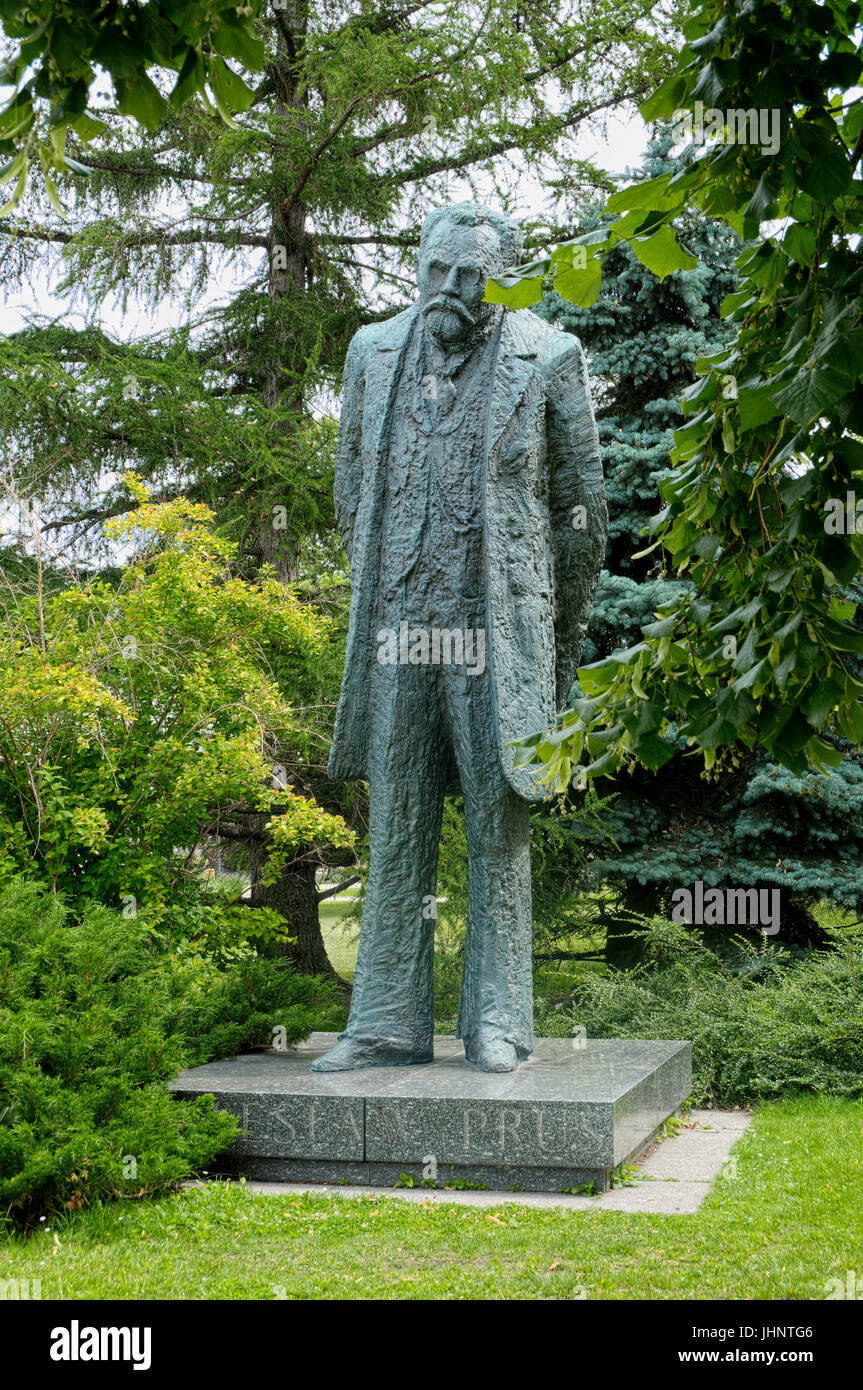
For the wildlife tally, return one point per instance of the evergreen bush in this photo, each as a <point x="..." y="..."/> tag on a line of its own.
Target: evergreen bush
<point x="94" y="1020"/>
<point x="776" y="1023"/>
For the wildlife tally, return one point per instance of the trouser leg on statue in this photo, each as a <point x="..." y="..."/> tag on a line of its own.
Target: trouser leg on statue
<point x="495" y="1017"/>
<point x="391" y="1020"/>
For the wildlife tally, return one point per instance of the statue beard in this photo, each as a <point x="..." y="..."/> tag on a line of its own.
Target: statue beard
<point x="452" y="324"/>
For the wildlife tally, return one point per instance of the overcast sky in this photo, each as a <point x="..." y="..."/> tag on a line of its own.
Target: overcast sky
<point x="621" y="147"/>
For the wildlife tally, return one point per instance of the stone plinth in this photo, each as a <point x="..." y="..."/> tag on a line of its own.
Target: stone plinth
<point x="565" y="1118"/>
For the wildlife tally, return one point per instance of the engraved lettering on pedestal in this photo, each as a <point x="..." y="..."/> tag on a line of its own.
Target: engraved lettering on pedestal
<point x="351" y="1120"/>
<point x="279" y="1114"/>
<point x="393" y="1121"/>
<point x="469" y="1141"/>
<point x="559" y="1147"/>
<point x="508" y="1128"/>
<point x="588" y="1142"/>
<point x="597" y="1140"/>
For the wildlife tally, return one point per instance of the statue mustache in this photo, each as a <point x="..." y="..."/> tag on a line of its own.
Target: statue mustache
<point x="454" y="306"/>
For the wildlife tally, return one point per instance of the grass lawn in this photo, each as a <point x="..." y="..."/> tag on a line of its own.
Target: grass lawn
<point x="791" y="1220"/>
<point x="553" y="982"/>
<point x="341" y="943"/>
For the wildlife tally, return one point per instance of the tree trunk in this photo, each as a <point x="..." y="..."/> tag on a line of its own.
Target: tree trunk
<point x="295" y="897"/>
<point x="281" y="379"/>
<point x="797" y="927"/>
<point x="623" y="950"/>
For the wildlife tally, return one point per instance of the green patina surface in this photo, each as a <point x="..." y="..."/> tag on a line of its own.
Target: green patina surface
<point x="470" y="497"/>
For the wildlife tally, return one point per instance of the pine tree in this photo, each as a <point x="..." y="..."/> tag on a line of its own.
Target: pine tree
<point x="751" y="824"/>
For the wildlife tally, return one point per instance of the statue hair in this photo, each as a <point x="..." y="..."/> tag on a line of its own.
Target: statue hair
<point x="474" y="215"/>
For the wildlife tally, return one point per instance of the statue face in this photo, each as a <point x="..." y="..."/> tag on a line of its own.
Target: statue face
<point x="452" y="274"/>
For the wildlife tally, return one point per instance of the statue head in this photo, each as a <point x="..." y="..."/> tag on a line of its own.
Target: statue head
<point x="460" y="247"/>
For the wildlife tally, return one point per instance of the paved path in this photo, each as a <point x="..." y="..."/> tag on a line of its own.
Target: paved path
<point x="675" y="1176"/>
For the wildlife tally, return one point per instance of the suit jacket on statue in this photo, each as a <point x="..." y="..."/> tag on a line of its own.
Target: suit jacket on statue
<point x="542" y="462"/>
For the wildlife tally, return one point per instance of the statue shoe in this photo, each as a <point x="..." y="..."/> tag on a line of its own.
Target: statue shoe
<point x="492" y="1054"/>
<point x="349" y="1055"/>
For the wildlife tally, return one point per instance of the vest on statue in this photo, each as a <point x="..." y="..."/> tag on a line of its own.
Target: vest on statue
<point x="432" y="526"/>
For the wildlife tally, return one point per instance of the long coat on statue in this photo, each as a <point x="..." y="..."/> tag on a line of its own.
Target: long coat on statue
<point x="544" y="524"/>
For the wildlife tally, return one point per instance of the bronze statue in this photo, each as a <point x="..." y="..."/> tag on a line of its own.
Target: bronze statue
<point x="470" y="496"/>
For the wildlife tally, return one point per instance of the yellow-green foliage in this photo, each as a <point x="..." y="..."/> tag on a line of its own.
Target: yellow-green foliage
<point x="133" y="714"/>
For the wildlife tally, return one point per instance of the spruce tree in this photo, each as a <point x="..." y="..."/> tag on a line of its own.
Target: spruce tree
<point x="749" y="823"/>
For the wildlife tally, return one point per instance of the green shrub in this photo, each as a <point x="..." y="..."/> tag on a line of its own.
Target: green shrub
<point x="238" y="1008"/>
<point x="774" y="1023"/>
<point x="94" y="1020"/>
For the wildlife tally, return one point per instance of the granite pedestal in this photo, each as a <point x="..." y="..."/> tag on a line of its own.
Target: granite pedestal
<point x="567" y="1117"/>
